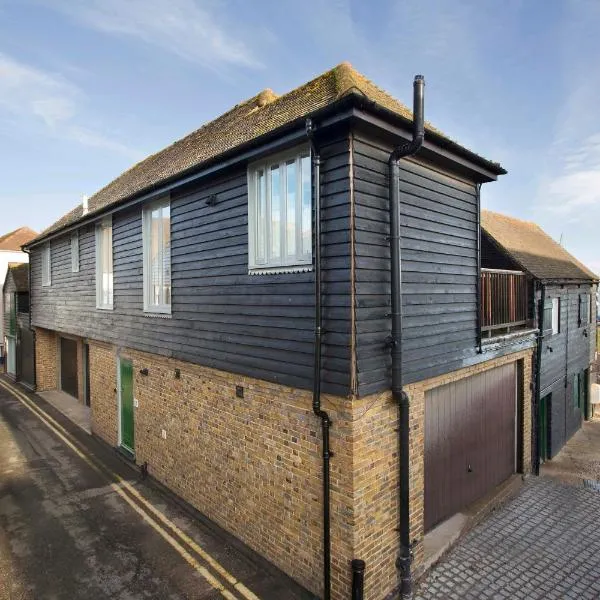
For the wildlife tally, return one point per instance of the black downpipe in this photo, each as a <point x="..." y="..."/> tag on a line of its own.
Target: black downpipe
<point x="478" y="287"/>
<point x="33" y="333"/>
<point x="538" y="370"/>
<point x="358" y="579"/>
<point x="316" y="403"/>
<point x="399" y="395"/>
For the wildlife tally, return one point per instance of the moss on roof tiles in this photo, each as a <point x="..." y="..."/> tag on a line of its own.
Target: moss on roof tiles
<point x="262" y="114"/>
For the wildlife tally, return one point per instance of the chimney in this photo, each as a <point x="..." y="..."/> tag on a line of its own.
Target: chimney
<point x="84" y="204"/>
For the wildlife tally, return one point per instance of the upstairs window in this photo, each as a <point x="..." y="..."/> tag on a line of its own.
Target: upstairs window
<point x="104" y="265"/>
<point x="552" y="316"/>
<point x="280" y="213"/>
<point x="156" y="229"/>
<point x="75" y="252"/>
<point x="46" y="265"/>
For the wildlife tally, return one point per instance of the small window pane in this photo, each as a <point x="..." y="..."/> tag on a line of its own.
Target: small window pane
<point x="555" y="315"/>
<point x="306" y="207"/>
<point x="155" y="258"/>
<point x="261" y="215"/>
<point x="291" y="208"/>
<point x="74" y="252"/>
<point x="46" y="265"/>
<point x="275" y="212"/>
<point x="166" y="245"/>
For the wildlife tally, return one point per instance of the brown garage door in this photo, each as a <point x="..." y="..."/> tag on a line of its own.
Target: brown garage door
<point x="469" y="440"/>
<point x="68" y="366"/>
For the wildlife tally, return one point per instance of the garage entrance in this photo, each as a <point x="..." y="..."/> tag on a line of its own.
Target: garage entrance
<point x="68" y="367"/>
<point x="470" y="440"/>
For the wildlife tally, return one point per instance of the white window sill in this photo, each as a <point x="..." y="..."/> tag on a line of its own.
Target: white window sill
<point x="159" y="314"/>
<point x="280" y="270"/>
<point x="105" y="307"/>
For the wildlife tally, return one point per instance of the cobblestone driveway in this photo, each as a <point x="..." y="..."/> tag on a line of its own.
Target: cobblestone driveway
<point x="543" y="544"/>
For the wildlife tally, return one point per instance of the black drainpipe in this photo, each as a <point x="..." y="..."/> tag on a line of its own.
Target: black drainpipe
<point x="316" y="403"/>
<point x="399" y="395"/>
<point x="538" y="370"/>
<point x="478" y="287"/>
<point x="33" y="334"/>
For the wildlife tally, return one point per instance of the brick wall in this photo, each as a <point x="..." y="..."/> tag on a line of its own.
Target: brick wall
<point x="46" y="360"/>
<point x="253" y="464"/>
<point x="376" y="472"/>
<point x="103" y="394"/>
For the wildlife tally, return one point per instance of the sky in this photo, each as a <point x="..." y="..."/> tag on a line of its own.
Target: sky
<point x="89" y="87"/>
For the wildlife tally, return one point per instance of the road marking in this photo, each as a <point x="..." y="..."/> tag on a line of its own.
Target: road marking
<point x="122" y="485"/>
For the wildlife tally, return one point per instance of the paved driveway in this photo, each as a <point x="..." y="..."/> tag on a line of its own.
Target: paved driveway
<point x="543" y="544"/>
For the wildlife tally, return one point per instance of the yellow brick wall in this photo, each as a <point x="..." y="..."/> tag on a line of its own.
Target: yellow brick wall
<point x="253" y="464"/>
<point x="376" y="472"/>
<point x="103" y="392"/>
<point x="46" y="360"/>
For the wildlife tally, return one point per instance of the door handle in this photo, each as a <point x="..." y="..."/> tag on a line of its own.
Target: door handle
<point x="469" y="469"/>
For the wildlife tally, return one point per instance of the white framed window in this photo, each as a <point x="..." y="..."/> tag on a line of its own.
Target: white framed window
<point x="104" y="264"/>
<point x="555" y="316"/>
<point x="156" y="232"/>
<point x="552" y="316"/>
<point x="75" y="252"/>
<point x="46" y="265"/>
<point x="280" y="213"/>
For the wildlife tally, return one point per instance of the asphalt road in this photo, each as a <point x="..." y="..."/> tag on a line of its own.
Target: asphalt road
<point x="77" y="522"/>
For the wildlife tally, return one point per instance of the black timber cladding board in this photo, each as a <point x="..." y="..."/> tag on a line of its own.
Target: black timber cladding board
<point x="256" y="325"/>
<point x="563" y="355"/>
<point x="439" y="267"/>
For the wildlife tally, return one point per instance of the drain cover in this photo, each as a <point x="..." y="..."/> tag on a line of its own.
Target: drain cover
<point x="592" y="484"/>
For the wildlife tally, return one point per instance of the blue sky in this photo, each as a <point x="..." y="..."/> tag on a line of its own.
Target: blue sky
<point x="88" y="87"/>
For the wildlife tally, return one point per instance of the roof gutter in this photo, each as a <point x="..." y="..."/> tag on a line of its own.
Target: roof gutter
<point x="274" y="141"/>
<point x="399" y="396"/>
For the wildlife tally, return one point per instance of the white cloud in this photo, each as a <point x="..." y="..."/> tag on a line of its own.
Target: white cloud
<point x="50" y="104"/>
<point x="181" y="27"/>
<point x="24" y="89"/>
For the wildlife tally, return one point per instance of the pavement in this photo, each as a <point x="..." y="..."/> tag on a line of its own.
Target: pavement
<point x="78" y="522"/>
<point x="542" y="544"/>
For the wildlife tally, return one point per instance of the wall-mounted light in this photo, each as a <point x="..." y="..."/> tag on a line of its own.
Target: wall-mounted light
<point x="211" y="200"/>
<point x="144" y="372"/>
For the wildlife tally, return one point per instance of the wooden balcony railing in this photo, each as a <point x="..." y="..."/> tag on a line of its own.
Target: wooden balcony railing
<point x="504" y="301"/>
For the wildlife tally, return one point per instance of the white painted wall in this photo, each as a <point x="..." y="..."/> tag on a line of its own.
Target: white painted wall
<point x="7" y="256"/>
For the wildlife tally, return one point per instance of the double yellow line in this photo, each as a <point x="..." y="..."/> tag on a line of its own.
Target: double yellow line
<point x="149" y="513"/>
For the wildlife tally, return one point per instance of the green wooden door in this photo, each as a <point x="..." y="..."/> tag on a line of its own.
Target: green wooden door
<point x="126" y="395"/>
<point x="543" y="428"/>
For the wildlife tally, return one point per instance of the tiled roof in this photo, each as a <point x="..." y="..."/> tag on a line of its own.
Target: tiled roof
<point x="245" y="122"/>
<point x="533" y="248"/>
<point x="15" y="239"/>
<point x="20" y="275"/>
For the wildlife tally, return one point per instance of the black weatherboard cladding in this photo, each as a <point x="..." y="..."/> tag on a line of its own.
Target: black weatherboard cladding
<point x="439" y="267"/>
<point x="564" y="355"/>
<point x="257" y="325"/>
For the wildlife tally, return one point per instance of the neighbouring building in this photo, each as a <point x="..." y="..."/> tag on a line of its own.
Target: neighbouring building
<point x="10" y="252"/>
<point x="548" y="273"/>
<point x="188" y="284"/>
<point x="19" y="353"/>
